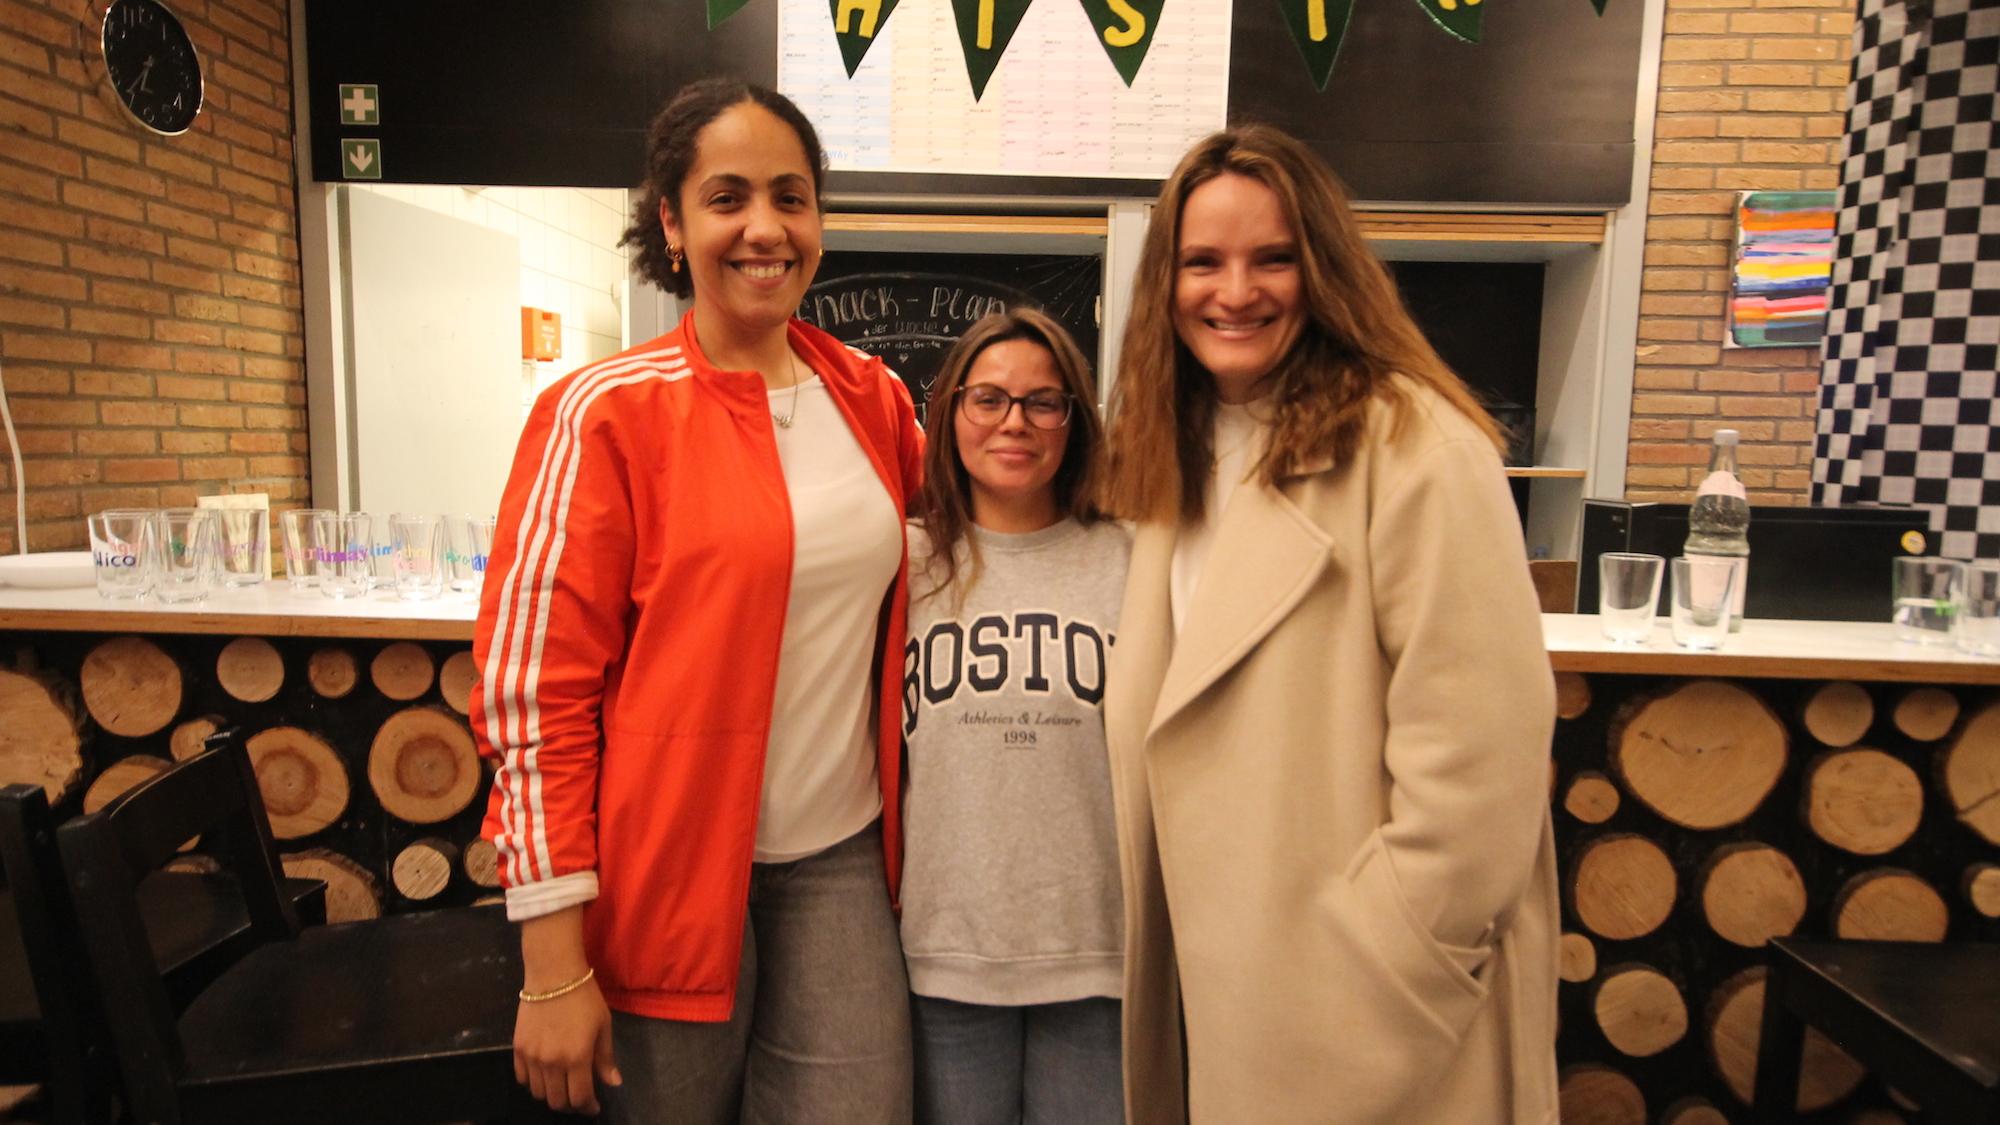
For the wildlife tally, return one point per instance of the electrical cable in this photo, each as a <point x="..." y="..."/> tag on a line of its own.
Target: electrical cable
<point x="20" y="487"/>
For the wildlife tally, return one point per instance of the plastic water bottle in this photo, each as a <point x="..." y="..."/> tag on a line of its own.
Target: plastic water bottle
<point x="1719" y="522"/>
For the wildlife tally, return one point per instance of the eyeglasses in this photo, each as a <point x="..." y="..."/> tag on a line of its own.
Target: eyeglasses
<point x="985" y="404"/>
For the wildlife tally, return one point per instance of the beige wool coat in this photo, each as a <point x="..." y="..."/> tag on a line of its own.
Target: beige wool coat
<point x="1343" y="756"/>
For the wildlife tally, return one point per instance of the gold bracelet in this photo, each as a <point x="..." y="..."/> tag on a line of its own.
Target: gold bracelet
<point x="563" y="989"/>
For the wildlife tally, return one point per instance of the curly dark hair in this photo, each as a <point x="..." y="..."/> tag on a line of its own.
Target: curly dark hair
<point x="670" y="153"/>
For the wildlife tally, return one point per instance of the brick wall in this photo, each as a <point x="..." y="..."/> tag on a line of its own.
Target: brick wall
<point x="1751" y="96"/>
<point x="149" y="287"/>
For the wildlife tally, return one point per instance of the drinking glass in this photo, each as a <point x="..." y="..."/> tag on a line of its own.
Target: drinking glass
<point x="243" y="537"/>
<point x="343" y="543"/>
<point x="1976" y="628"/>
<point x="120" y="548"/>
<point x="416" y="555"/>
<point x="1924" y="588"/>
<point x="298" y="529"/>
<point x="184" y="553"/>
<point x="1628" y="589"/>
<point x="1703" y="589"/>
<point x="471" y="543"/>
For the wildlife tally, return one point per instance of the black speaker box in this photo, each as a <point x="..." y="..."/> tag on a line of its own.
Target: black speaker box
<point x="1806" y="564"/>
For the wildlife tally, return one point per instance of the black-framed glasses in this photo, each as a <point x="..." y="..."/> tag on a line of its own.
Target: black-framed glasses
<point x="985" y="404"/>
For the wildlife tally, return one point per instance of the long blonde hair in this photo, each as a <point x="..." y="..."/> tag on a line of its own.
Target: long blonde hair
<point x="944" y="506"/>
<point x="1356" y="344"/>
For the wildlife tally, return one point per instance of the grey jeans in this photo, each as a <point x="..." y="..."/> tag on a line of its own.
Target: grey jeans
<point x="821" y="1028"/>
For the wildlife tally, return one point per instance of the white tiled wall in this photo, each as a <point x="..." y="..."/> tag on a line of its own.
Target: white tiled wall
<point x="571" y="263"/>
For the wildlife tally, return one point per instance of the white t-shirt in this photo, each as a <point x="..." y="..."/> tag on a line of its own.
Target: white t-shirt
<point x="1239" y="435"/>
<point x="820" y="780"/>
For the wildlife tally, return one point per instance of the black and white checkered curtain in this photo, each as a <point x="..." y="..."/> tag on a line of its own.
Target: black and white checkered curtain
<point x="1908" y="371"/>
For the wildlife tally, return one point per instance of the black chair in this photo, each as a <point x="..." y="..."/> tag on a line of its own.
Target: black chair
<point x="407" y="1018"/>
<point x="51" y="1031"/>
<point x="1924" y="1017"/>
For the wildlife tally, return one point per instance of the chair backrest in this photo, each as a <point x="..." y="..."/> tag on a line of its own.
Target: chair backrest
<point x="106" y="853"/>
<point x="71" y="1033"/>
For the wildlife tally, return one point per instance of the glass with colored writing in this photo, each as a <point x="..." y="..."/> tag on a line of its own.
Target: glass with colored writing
<point x="416" y="555"/>
<point x="985" y="404"/>
<point x="297" y="525"/>
<point x="470" y="544"/>
<point x="244" y="545"/>
<point x="184" y="553"/>
<point x="343" y="546"/>
<point x="1925" y="592"/>
<point x="120" y="548"/>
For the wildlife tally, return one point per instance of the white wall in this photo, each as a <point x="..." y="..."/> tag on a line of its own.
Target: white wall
<point x="570" y="260"/>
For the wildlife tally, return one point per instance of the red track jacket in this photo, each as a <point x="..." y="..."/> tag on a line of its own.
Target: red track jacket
<point x="628" y="644"/>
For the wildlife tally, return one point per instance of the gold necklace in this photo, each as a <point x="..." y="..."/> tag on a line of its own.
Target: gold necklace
<point x="786" y="419"/>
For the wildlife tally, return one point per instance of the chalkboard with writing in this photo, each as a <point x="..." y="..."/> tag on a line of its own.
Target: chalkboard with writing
<point x="909" y="308"/>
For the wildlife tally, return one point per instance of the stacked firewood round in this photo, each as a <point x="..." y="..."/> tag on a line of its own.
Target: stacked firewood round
<point x="1698" y="819"/>
<point x="361" y="749"/>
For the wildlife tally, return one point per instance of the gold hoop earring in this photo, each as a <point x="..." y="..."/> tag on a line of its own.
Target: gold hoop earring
<point x="674" y="257"/>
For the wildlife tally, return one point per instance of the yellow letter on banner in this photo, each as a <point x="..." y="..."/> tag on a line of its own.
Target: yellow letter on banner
<point x="870" y="10"/>
<point x="1316" y="19"/>
<point x="985" y="39"/>
<point x="1134" y="29"/>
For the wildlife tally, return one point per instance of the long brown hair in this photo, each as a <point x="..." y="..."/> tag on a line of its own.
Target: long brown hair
<point x="1357" y="342"/>
<point x="945" y="504"/>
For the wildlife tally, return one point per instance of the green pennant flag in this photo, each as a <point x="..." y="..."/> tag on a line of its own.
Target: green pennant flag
<point x="984" y="27"/>
<point x="1599" y="5"/>
<point x="856" y="23"/>
<point x="1459" y="17"/>
<point x="719" y="10"/>
<point x="1318" y="26"/>
<point x="1125" y="30"/>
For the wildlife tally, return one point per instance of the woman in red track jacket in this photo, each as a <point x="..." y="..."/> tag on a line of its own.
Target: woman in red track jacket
<point x="688" y="643"/>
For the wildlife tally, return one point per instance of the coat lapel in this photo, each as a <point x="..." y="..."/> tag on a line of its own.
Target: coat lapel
<point x="1266" y="555"/>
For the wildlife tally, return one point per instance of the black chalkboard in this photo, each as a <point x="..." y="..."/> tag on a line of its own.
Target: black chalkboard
<point x="909" y="308"/>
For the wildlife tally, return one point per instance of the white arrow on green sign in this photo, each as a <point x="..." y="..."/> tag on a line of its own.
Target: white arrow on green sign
<point x="361" y="159"/>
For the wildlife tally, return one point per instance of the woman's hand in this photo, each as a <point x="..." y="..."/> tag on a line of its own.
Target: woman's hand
<point x="562" y="1043"/>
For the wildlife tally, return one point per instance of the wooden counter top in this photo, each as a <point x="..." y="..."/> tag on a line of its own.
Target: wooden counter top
<point x="272" y="609"/>
<point x="1848" y="650"/>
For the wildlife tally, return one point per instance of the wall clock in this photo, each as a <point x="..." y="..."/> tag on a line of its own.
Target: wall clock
<point x="150" y="66"/>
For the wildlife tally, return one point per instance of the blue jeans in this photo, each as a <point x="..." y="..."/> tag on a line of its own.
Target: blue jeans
<point x="1040" y="1064"/>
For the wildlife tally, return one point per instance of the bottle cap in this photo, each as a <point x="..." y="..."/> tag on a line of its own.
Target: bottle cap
<point x="1725" y="437"/>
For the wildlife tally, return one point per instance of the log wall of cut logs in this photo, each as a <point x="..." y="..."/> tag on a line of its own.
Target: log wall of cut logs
<point x="361" y="748"/>
<point x="1696" y="819"/>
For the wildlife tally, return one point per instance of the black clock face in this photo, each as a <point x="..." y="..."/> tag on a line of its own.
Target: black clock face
<point x="151" y="65"/>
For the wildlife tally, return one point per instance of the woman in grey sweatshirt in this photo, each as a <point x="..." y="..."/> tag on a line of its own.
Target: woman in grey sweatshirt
<point x="1012" y="922"/>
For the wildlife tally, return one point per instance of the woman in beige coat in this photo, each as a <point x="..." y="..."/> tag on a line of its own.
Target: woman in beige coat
<point x="1329" y="706"/>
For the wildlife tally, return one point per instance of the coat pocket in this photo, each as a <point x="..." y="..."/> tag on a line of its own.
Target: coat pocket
<point x="1430" y="975"/>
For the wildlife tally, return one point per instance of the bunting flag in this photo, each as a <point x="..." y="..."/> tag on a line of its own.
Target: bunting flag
<point x="1459" y="17"/>
<point x="1125" y="31"/>
<point x="856" y="23"/>
<point x="984" y="27"/>
<point x="1318" y="26"/>
<point x="719" y="10"/>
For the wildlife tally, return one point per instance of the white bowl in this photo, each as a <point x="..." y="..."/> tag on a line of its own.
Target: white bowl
<point x="48" y="570"/>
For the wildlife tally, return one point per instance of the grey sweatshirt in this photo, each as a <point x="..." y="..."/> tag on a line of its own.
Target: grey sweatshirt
<point x="1010" y="880"/>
